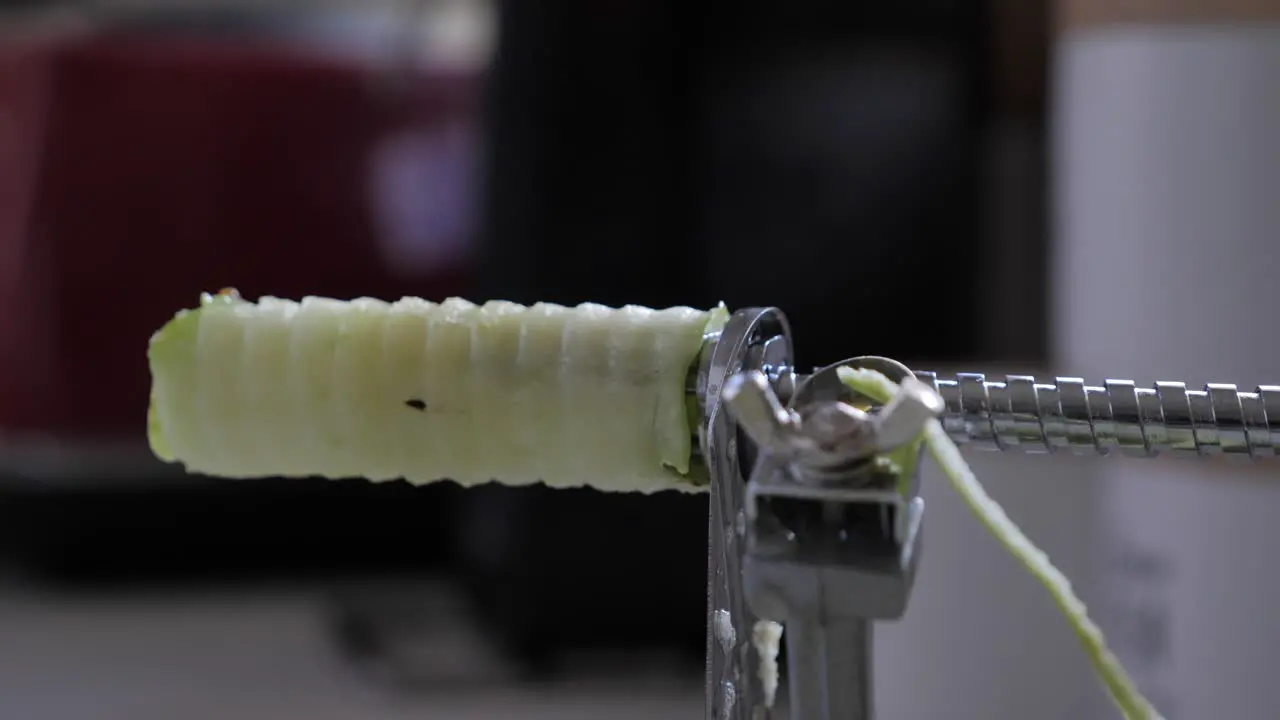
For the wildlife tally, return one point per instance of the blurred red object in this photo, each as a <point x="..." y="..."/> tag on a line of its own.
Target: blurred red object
<point x="136" y="173"/>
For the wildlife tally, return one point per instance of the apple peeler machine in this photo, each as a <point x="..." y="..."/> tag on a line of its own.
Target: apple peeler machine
<point x="811" y="530"/>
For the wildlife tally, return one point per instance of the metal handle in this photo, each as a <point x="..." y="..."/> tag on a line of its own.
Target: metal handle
<point x="1020" y="414"/>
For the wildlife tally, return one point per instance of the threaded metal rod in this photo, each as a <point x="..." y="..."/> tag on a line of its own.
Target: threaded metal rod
<point x="1066" y="415"/>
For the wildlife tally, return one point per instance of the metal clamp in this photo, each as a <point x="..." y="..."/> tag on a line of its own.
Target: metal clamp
<point x="825" y="534"/>
<point x="833" y="525"/>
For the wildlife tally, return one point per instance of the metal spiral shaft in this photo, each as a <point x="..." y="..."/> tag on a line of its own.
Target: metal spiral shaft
<point x="1020" y="414"/>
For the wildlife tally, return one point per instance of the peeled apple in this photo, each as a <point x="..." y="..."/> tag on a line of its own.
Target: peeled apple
<point x="581" y="396"/>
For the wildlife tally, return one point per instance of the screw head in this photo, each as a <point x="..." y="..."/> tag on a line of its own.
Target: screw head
<point x="837" y="428"/>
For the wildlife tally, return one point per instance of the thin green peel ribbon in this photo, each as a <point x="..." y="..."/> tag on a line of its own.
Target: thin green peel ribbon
<point x="945" y="453"/>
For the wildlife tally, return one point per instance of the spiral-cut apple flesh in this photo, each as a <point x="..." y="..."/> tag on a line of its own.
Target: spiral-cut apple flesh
<point x="582" y="396"/>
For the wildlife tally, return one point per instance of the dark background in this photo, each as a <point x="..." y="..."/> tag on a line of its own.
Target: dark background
<point x="875" y="171"/>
